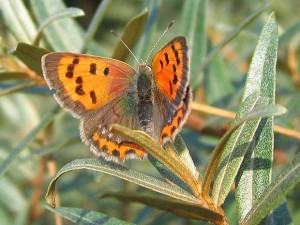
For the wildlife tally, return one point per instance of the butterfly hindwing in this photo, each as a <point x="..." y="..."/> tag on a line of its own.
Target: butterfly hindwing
<point x="176" y="117"/>
<point x="94" y="130"/>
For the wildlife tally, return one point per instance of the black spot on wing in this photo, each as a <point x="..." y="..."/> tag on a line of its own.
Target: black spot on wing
<point x="79" y="90"/>
<point x="106" y="71"/>
<point x="79" y="80"/>
<point x="93" y="68"/>
<point x="93" y="97"/>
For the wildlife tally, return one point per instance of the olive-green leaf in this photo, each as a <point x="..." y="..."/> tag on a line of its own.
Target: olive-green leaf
<point x="30" y="55"/>
<point x="122" y="172"/>
<point x="68" y="12"/>
<point x="255" y="172"/>
<point x="179" y="208"/>
<point x="193" y="25"/>
<point x="6" y="163"/>
<point x="86" y="217"/>
<point x="131" y="35"/>
<point x="275" y="193"/>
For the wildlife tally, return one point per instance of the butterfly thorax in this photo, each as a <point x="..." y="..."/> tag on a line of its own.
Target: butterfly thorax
<point x="145" y="98"/>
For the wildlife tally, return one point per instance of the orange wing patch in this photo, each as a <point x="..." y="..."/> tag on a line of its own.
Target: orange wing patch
<point x="170" y="69"/>
<point x="171" y="129"/>
<point x="118" y="151"/>
<point x="89" y="81"/>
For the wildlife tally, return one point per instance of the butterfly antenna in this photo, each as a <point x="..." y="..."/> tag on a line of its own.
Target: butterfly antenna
<point x="126" y="46"/>
<point x="170" y="25"/>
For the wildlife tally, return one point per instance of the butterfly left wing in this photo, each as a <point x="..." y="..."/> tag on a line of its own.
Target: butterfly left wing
<point x="84" y="83"/>
<point x="100" y="92"/>
<point x="170" y="68"/>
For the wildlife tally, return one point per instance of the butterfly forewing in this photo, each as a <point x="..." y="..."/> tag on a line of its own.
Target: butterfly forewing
<point x="170" y="70"/>
<point x="171" y="76"/>
<point x="84" y="83"/>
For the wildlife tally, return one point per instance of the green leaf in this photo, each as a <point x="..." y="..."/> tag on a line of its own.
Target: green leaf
<point x="193" y="25"/>
<point x="182" y="209"/>
<point x="255" y="173"/>
<point x="12" y="75"/>
<point x="132" y="32"/>
<point x="18" y="20"/>
<point x="58" y="33"/>
<point x="235" y="148"/>
<point x="280" y="216"/>
<point x="16" y="88"/>
<point x="288" y="35"/>
<point x="31" y="135"/>
<point x="68" y="12"/>
<point x="275" y="193"/>
<point x="168" y="175"/>
<point x="253" y="109"/>
<point x="97" y="19"/>
<point x="185" y="157"/>
<point x="86" y="217"/>
<point x="217" y="83"/>
<point x="168" y="157"/>
<point x="12" y="197"/>
<point x="145" y="43"/>
<point x="233" y="34"/>
<point x="30" y="55"/>
<point x="122" y="172"/>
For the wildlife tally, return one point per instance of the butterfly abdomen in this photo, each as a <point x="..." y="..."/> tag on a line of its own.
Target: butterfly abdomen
<point x="145" y="103"/>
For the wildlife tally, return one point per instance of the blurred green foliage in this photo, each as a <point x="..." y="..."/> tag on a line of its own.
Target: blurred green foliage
<point x="37" y="139"/>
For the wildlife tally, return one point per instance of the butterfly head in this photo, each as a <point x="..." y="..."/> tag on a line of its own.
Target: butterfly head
<point x="144" y="68"/>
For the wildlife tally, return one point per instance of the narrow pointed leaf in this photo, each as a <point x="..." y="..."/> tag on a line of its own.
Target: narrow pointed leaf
<point x="235" y="149"/>
<point x="68" y="12"/>
<point x="59" y="32"/>
<point x="255" y="173"/>
<point x="17" y="87"/>
<point x="31" y="135"/>
<point x="123" y="173"/>
<point x="12" y="75"/>
<point x="259" y="112"/>
<point x="180" y="148"/>
<point x="182" y="209"/>
<point x="30" y="55"/>
<point x="275" y="193"/>
<point x="168" y="175"/>
<point x="185" y="156"/>
<point x="93" y="27"/>
<point x="86" y="217"/>
<point x="193" y="25"/>
<point x="18" y="20"/>
<point x="233" y="34"/>
<point x="171" y="161"/>
<point x="131" y="35"/>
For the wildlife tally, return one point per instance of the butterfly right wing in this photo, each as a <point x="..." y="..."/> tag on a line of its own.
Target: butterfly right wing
<point x="170" y="68"/>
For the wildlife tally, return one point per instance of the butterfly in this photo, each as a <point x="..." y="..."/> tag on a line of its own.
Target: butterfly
<point x="104" y="91"/>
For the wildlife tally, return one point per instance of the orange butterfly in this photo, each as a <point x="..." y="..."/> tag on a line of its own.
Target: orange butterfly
<point x="103" y="91"/>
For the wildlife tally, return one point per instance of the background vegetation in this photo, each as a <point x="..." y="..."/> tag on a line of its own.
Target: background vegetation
<point x="37" y="139"/>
